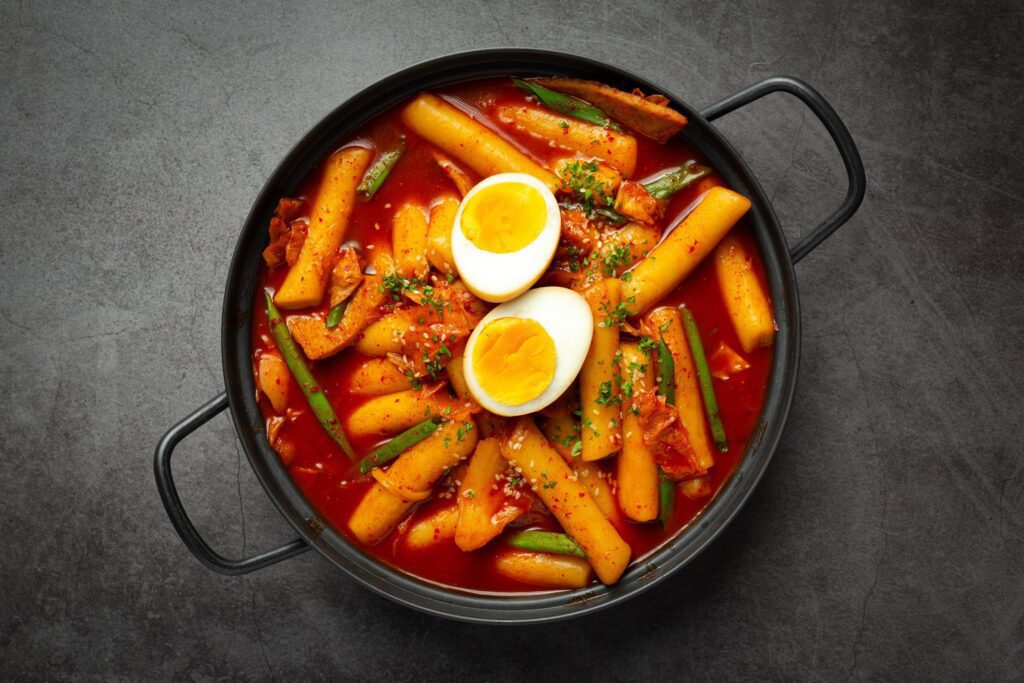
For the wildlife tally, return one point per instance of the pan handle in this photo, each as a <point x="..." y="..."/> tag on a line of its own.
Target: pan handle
<point x="182" y="524"/>
<point x="835" y="127"/>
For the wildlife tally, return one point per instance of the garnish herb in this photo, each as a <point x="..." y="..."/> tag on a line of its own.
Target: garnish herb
<point x="617" y="258"/>
<point x="617" y="316"/>
<point x="580" y="178"/>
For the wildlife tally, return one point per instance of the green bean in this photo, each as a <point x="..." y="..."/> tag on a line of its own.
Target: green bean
<point x="670" y="183"/>
<point x="297" y="365"/>
<point x="667" y="388"/>
<point x="336" y="314"/>
<point x="545" y="542"/>
<point x="394" y="448"/>
<point x="565" y="104"/>
<point x="666" y="499"/>
<point x="666" y="372"/>
<point x="378" y="172"/>
<point x="611" y="216"/>
<point x="704" y="376"/>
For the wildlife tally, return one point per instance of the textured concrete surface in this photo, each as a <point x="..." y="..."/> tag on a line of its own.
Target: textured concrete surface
<point x="887" y="539"/>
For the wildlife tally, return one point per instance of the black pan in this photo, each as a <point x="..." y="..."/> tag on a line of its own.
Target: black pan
<point x="240" y="393"/>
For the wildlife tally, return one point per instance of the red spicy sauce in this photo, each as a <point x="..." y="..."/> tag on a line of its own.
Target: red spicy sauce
<point x="332" y="483"/>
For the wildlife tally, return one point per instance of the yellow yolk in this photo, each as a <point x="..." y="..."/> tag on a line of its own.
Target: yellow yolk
<point x="504" y="218"/>
<point x="514" y="360"/>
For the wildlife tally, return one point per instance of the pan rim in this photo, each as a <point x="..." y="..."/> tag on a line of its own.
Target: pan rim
<point x="451" y="602"/>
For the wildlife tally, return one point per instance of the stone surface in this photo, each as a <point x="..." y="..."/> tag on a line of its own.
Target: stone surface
<point x="887" y="539"/>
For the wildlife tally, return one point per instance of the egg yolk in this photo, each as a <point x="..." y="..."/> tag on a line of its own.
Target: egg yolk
<point x="504" y="218"/>
<point x="514" y="360"/>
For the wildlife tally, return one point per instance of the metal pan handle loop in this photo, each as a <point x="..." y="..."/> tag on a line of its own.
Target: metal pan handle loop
<point x="183" y="525"/>
<point x="835" y="127"/>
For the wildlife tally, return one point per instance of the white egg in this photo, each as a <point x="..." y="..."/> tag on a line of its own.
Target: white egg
<point x="514" y="375"/>
<point x="505" y="235"/>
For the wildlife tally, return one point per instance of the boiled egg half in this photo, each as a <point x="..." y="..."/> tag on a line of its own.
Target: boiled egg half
<point x="505" y="235"/>
<point x="525" y="353"/>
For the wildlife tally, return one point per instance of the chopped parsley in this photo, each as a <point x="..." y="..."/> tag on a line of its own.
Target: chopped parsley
<point x="574" y="261"/>
<point x="625" y="386"/>
<point x="617" y="316"/>
<point x="580" y="178"/>
<point x="638" y="368"/>
<point x="618" y="257"/>
<point x="396" y="286"/>
<point x="606" y="396"/>
<point x="435" y="365"/>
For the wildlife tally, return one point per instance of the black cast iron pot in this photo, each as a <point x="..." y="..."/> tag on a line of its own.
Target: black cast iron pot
<point x="240" y="394"/>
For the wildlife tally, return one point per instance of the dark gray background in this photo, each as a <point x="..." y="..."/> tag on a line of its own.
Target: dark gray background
<point x="886" y="540"/>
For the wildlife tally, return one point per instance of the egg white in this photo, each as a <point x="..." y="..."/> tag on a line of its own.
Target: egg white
<point x="566" y="317"/>
<point x="500" y="277"/>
